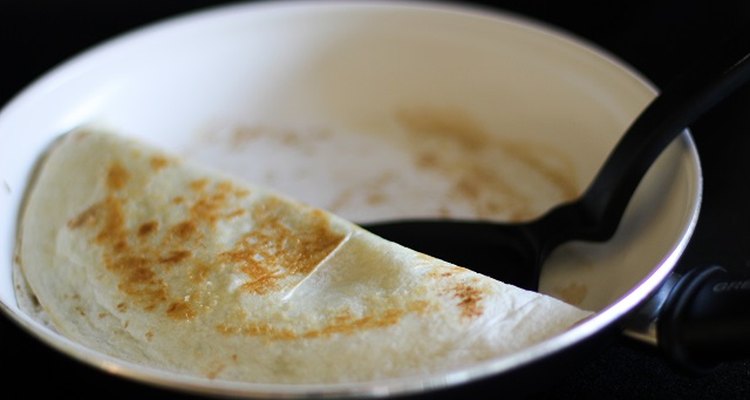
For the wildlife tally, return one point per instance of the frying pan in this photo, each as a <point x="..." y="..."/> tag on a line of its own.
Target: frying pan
<point x="605" y="95"/>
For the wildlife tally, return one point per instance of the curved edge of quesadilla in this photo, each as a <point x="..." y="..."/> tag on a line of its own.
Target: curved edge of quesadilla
<point x="146" y="257"/>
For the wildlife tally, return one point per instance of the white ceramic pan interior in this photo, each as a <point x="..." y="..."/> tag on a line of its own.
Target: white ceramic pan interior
<point x="373" y="110"/>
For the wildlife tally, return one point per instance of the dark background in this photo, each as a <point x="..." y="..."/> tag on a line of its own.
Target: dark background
<point x="657" y="38"/>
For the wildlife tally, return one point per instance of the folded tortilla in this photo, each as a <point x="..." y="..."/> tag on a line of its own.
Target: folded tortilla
<point x="148" y="258"/>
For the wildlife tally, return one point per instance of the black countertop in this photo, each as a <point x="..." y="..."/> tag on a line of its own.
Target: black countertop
<point x="656" y="38"/>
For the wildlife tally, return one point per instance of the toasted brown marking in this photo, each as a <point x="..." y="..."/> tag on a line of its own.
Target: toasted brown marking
<point x="199" y="273"/>
<point x="86" y="218"/>
<point x="198" y="184"/>
<point x="149" y="335"/>
<point x="235" y="358"/>
<point x="281" y="244"/>
<point x="158" y="162"/>
<point x="224" y="187"/>
<point x="469" y="299"/>
<point x="340" y="324"/>
<point x="348" y="326"/>
<point x="267" y="330"/>
<point x="175" y="256"/>
<point x="147" y="228"/>
<point x="277" y="248"/>
<point x="181" y="310"/>
<point x="261" y="284"/>
<point x="138" y="280"/>
<point x="441" y="273"/>
<point x="236" y="213"/>
<point x="240" y="193"/>
<point x="102" y="315"/>
<point x="227" y="330"/>
<point x="208" y="209"/>
<point x="117" y="176"/>
<point x="114" y="221"/>
<point x="184" y="230"/>
<point x="120" y="246"/>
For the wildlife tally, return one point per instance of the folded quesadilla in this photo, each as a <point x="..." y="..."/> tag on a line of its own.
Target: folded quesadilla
<point x="145" y="257"/>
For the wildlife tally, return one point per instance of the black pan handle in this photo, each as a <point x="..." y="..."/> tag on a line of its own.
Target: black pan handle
<point x="705" y="319"/>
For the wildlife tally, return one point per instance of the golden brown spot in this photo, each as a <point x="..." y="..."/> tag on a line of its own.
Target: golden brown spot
<point x="184" y="230"/>
<point x="469" y="298"/>
<point x="178" y="200"/>
<point x="120" y="246"/>
<point x="122" y="307"/>
<point x="235" y="358"/>
<point x="341" y="324"/>
<point x="419" y="306"/>
<point x="224" y="187"/>
<point x="240" y="193"/>
<point x="102" y="315"/>
<point x="87" y="218"/>
<point x="147" y="228"/>
<point x="267" y="330"/>
<point x="208" y="209"/>
<point x="277" y="248"/>
<point x="441" y="273"/>
<point x="260" y="284"/>
<point x="117" y="177"/>
<point x="138" y="280"/>
<point x="175" y="256"/>
<point x="199" y="273"/>
<point x="227" y="330"/>
<point x="149" y="335"/>
<point x="81" y="311"/>
<point x="198" y="184"/>
<point x="181" y="310"/>
<point x="113" y="230"/>
<point x="236" y="213"/>
<point x="348" y="325"/>
<point x="158" y="162"/>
